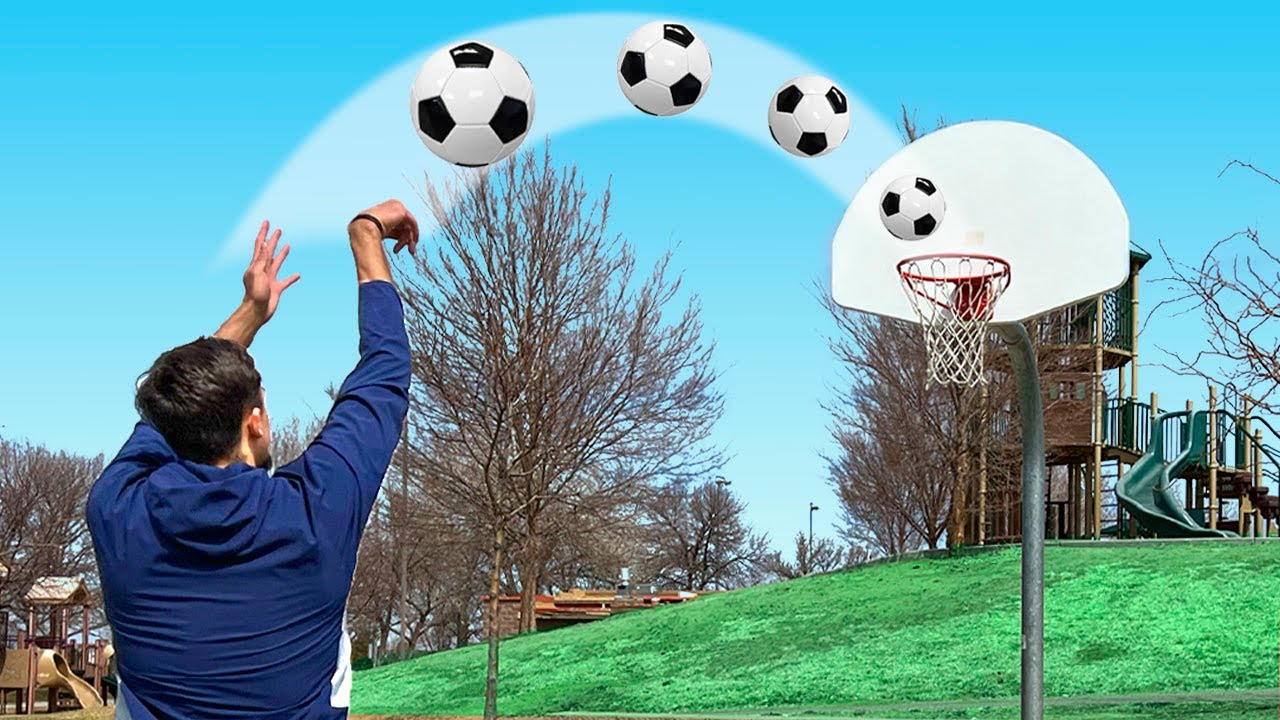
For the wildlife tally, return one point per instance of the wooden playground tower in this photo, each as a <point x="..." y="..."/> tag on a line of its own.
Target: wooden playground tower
<point x="73" y="671"/>
<point x="1096" y="428"/>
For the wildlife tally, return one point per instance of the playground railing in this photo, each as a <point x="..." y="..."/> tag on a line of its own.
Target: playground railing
<point x="1177" y="429"/>
<point x="1171" y="436"/>
<point x="1077" y="325"/>
<point x="1270" y="451"/>
<point x="1126" y="423"/>
<point x="1231" y="441"/>
<point x="1234" y="439"/>
<point x="1238" y="444"/>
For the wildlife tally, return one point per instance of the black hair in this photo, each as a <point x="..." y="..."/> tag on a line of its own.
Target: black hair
<point x="197" y="395"/>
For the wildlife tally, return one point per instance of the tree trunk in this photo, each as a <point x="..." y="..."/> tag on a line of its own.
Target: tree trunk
<point x="959" y="505"/>
<point x="529" y="572"/>
<point x="959" y="493"/>
<point x="462" y="629"/>
<point x="491" y="681"/>
<point x="400" y="538"/>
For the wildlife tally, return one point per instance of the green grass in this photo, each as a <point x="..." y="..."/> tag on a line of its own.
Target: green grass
<point x="1121" y="620"/>
<point x="1135" y="711"/>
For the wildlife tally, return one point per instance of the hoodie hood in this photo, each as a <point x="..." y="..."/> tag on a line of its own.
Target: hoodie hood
<point x="206" y="510"/>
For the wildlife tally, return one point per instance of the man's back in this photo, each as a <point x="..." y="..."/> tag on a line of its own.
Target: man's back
<point x="226" y="587"/>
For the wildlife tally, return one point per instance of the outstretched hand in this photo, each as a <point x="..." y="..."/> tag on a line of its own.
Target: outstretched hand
<point x="399" y="223"/>
<point x="262" y="286"/>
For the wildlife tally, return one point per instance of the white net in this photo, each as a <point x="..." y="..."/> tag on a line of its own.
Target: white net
<point x="954" y="297"/>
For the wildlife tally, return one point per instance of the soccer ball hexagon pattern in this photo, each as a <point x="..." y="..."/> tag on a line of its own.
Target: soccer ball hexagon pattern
<point x="472" y="104"/>
<point x="664" y="68"/>
<point x="912" y="208"/>
<point x="809" y="116"/>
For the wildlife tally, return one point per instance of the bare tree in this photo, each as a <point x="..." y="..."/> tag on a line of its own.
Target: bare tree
<point x="909" y="127"/>
<point x="432" y="556"/>
<point x="905" y="449"/>
<point x="552" y="381"/>
<point x="822" y="557"/>
<point x="1234" y="293"/>
<point x="699" y="540"/>
<point x="290" y="438"/>
<point x="43" y="527"/>
<point x="595" y="546"/>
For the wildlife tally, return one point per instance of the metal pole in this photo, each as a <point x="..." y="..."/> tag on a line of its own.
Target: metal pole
<point x="1023" y="359"/>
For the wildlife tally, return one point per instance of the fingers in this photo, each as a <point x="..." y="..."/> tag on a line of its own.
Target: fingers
<point x="284" y="253"/>
<point x="257" y="242"/>
<point x="413" y="231"/>
<point x="288" y="283"/>
<point x="400" y="224"/>
<point x="271" y="245"/>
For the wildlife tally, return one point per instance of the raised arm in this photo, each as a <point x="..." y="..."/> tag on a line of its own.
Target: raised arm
<point x="262" y="289"/>
<point x="344" y="466"/>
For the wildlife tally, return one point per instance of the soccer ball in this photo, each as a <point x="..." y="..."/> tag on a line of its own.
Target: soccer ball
<point x="809" y="116"/>
<point x="663" y="68"/>
<point x="912" y="208"/>
<point x="472" y="104"/>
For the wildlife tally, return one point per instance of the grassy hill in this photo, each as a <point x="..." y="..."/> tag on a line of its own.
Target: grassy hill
<point x="1120" y="620"/>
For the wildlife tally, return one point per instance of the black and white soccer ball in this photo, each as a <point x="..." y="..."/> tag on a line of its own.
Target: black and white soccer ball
<point x="472" y="104"/>
<point x="664" y="68"/>
<point x="912" y="208"/>
<point x="809" y="116"/>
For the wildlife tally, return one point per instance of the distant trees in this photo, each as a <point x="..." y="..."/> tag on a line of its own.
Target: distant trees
<point x="699" y="540"/>
<point x="553" y="382"/>
<point x="824" y="555"/>
<point x="1234" y="292"/>
<point x="907" y="453"/>
<point x="43" y="529"/>
<point x="291" y="437"/>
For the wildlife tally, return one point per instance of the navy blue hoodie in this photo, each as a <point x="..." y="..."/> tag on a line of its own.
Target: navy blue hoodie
<point x="226" y="587"/>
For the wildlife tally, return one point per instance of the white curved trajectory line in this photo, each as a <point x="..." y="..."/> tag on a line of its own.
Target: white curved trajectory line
<point x="366" y="150"/>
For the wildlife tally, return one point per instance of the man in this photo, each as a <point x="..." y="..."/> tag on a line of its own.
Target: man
<point x="225" y="585"/>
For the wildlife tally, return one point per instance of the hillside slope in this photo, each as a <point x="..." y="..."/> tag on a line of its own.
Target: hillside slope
<point x="1121" y="619"/>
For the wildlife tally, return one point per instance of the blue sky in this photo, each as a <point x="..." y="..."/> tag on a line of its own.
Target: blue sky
<point x="134" y="144"/>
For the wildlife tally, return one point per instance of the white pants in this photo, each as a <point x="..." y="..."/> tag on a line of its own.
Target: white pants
<point x="122" y="709"/>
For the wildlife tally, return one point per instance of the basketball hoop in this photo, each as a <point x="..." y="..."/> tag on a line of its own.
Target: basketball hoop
<point x="954" y="296"/>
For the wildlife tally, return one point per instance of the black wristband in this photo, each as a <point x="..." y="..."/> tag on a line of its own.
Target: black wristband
<point x="366" y="216"/>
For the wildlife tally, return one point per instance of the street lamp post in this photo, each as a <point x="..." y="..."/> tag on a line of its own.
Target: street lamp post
<point x="812" y="507"/>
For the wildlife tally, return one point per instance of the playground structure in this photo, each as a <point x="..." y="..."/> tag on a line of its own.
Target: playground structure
<point x="45" y="656"/>
<point x="1121" y="467"/>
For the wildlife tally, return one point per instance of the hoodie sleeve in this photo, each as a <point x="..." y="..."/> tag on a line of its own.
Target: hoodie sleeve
<point x="343" y="467"/>
<point x="144" y="451"/>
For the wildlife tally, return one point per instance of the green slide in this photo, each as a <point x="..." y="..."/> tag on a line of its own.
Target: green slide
<point x="1146" y="491"/>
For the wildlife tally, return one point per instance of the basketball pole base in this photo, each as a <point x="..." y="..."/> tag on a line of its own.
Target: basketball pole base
<point x="1023" y="359"/>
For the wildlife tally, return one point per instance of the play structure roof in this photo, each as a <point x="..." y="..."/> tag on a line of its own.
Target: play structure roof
<point x="58" y="591"/>
<point x="1138" y="255"/>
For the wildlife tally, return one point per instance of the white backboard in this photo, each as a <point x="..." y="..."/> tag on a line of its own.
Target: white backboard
<point x="1013" y="191"/>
